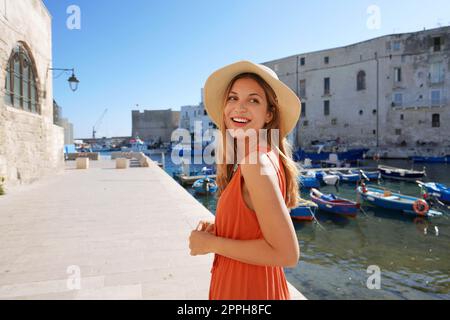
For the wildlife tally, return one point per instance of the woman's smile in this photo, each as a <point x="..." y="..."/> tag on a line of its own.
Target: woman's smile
<point x="240" y="121"/>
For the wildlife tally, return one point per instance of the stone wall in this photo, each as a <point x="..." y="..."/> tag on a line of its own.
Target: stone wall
<point x="31" y="146"/>
<point x="151" y="125"/>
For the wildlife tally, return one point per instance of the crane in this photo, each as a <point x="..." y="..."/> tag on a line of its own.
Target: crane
<point x="97" y="124"/>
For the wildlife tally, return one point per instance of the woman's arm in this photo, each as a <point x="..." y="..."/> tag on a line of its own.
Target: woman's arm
<point x="279" y="247"/>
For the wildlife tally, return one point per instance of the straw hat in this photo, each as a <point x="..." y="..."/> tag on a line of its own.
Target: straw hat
<point x="217" y="83"/>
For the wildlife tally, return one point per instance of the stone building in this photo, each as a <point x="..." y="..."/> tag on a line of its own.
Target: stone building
<point x="31" y="145"/>
<point x="391" y="91"/>
<point x="154" y="125"/>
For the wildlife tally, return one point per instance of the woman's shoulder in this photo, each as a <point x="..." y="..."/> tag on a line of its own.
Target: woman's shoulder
<point x="260" y="163"/>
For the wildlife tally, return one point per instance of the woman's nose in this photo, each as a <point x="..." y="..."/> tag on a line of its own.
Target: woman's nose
<point x="242" y="105"/>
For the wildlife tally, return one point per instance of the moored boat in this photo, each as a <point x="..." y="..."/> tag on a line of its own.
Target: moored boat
<point x="386" y="199"/>
<point x="331" y="203"/>
<point x="205" y="186"/>
<point x="308" y="180"/>
<point x="347" y="176"/>
<point x="442" y="159"/>
<point x="438" y="190"/>
<point x="400" y="174"/>
<point x="305" y="211"/>
<point x="371" y="175"/>
<point x="327" y="178"/>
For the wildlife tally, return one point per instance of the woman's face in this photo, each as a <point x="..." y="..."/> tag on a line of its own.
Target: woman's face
<point x="246" y="107"/>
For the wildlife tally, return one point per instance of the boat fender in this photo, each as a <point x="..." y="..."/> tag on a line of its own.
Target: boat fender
<point x="421" y="207"/>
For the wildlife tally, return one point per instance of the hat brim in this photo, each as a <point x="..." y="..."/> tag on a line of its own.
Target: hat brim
<point x="218" y="81"/>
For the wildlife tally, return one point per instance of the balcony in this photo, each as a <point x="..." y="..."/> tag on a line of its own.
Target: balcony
<point x="423" y="103"/>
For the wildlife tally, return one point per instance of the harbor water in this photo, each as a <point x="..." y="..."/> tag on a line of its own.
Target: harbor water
<point x="338" y="253"/>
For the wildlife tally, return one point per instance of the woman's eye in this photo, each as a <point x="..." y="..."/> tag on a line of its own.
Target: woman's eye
<point x="232" y="98"/>
<point x="254" y="101"/>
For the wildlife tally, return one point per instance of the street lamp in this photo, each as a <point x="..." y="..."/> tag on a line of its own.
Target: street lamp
<point x="73" y="81"/>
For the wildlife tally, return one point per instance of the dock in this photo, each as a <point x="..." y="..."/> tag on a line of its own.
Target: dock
<point x="303" y="170"/>
<point x="102" y="233"/>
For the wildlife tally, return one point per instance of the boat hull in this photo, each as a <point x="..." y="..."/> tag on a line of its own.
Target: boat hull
<point x="395" y="202"/>
<point x="371" y="175"/>
<point x="400" y="174"/>
<point x="309" y="182"/>
<point x="200" y="188"/>
<point x="439" y="191"/>
<point x="347" y="177"/>
<point x="302" y="213"/>
<point x="406" y="177"/>
<point x="338" y="206"/>
<point x="431" y="159"/>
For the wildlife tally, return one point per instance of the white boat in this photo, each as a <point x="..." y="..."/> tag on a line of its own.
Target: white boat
<point x="330" y="179"/>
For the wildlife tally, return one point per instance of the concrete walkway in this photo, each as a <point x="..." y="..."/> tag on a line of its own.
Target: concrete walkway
<point x="124" y="232"/>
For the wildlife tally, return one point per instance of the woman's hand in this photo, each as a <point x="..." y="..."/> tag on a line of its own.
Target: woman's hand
<point x="201" y="238"/>
<point x="206" y="226"/>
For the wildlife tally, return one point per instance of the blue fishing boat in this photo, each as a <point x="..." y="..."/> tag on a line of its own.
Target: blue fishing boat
<point x="438" y="190"/>
<point x="331" y="203"/>
<point x="205" y="186"/>
<point x="309" y="180"/>
<point x="400" y="174"/>
<point x="305" y="211"/>
<point x="371" y="175"/>
<point x="347" y="176"/>
<point x="394" y="201"/>
<point x="443" y="159"/>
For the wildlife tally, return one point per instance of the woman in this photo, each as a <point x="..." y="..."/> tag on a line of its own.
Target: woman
<point x="253" y="237"/>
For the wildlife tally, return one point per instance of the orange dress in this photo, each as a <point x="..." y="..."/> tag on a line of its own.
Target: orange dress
<point x="235" y="280"/>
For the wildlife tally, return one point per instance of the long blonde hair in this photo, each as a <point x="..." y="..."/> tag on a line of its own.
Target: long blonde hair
<point x="225" y="170"/>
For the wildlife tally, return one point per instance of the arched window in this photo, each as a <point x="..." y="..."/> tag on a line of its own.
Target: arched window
<point x="361" y="81"/>
<point x="21" y="89"/>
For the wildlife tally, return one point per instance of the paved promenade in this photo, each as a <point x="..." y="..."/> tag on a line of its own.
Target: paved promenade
<point x="125" y="232"/>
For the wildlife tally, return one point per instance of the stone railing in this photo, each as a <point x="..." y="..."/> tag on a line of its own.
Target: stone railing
<point x="91" y="155"/>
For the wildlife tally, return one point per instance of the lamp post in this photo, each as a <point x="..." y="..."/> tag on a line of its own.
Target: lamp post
<point x="73" y="81"/>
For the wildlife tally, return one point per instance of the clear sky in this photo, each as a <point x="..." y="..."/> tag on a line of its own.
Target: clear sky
<point x="158" y="53"/>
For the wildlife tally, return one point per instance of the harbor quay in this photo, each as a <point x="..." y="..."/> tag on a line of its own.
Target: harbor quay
<point x="102" y="233"/>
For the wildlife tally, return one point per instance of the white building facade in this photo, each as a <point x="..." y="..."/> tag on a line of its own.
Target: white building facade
<point x="391" y="91"/>
<point x="190" y="115"/>
<point x="31" y="145"/>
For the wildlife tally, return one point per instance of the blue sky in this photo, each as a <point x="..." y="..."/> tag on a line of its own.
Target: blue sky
<point x="158" y="54"/>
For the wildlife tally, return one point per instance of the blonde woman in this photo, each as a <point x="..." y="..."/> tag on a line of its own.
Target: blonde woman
<point x="252" y="237"/>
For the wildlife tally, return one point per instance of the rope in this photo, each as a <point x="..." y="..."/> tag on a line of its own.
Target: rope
<point x="315" y="219"/>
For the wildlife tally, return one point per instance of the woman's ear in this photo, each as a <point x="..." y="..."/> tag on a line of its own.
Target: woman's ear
<point x="269" y="115"/>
